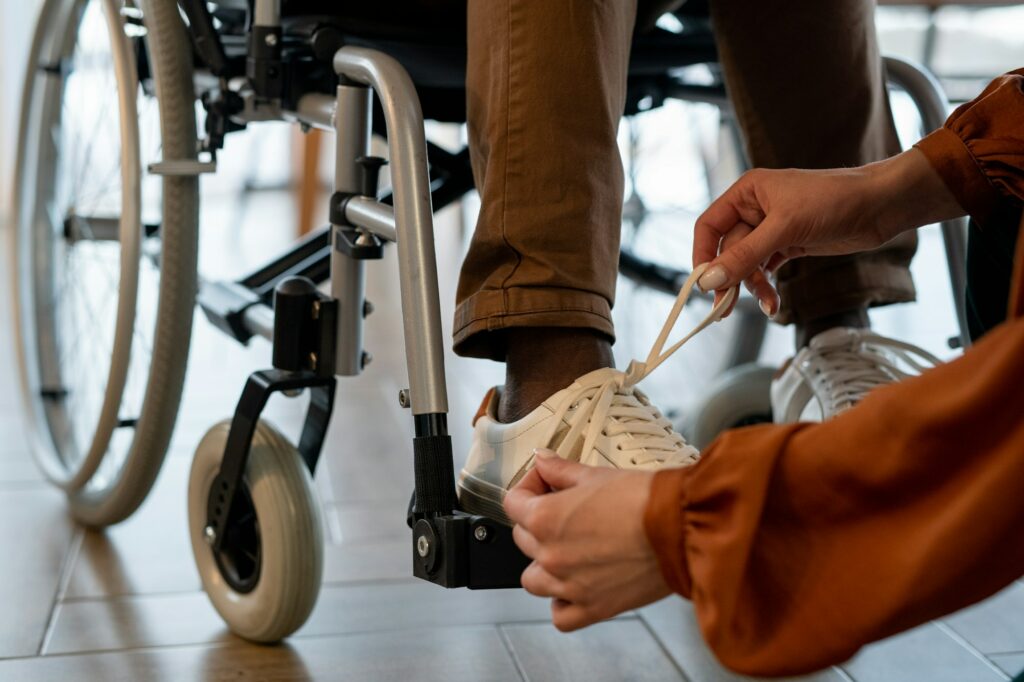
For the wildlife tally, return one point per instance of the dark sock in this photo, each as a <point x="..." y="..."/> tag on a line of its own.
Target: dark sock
<point x="543" y="360"/>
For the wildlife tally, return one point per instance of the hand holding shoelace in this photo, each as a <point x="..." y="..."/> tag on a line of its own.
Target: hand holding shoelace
<point x="590" y="557"/>
<point x="610" y="394"/>
<point x="770" y="216"/>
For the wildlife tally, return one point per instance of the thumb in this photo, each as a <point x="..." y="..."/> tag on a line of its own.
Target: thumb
<point x="558" y="473"/>
<point x="740" y="260"/>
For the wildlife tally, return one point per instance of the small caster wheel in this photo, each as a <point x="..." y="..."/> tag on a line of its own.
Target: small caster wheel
<point x="739" y="397"/>
<point x="265" y="578"/>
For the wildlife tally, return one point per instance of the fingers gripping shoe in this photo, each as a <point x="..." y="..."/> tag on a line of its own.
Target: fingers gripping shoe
<point x="838" y="368"/>
<point x="602" y="419"/>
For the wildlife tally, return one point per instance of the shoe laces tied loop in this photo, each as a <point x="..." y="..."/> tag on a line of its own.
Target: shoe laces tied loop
<point x="614" y="395"/>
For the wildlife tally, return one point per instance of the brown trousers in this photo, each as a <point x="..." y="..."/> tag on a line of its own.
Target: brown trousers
<point x="546" y="86"/>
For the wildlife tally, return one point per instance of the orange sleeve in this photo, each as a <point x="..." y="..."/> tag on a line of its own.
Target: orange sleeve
<point x="798" y="544"/>
<point x="979" y="152"/>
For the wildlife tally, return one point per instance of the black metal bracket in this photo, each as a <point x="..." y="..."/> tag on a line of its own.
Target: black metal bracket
<point x="452" y="548"/>
<point x="463" y="550"/>
<point x="357" y="244"/>
<point x="263" y="65"/>
<point x="305" y="327"/>
<point x="349" y="240"/>
<point x="258" y="389"/>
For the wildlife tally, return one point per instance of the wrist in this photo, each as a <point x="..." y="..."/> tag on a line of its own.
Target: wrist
<point x="907" y="193"/>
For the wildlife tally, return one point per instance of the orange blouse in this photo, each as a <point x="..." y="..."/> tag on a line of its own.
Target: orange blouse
<point x="800" y="543"/>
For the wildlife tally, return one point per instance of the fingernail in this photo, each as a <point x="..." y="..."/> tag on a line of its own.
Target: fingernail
<point x="543" y="453"/>
<point x="713" y="279"/>
<point x="766" y="309"/>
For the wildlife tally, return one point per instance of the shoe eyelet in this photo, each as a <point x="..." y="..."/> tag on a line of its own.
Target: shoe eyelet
<point x="632" y="460"/>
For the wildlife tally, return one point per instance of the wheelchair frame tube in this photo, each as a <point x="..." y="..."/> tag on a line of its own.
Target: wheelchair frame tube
<point x="315" y="110"/>
<point x="930" y="100"/>
<point x="267" y="13"/>
<point x="413" y="215"/>
<point x="352" y="142"/>
<point x="376" y="217"/>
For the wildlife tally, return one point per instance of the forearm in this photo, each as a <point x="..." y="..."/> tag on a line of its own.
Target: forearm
<point x="906" y="192"/>
<point x="798" y="544"/>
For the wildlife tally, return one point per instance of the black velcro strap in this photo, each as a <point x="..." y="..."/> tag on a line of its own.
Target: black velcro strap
<point x="435" y="475"/>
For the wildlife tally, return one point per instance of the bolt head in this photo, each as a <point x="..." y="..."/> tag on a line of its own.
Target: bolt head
<point x="422" y="546"/>
<point x="210" y="535"/>
<point x="271" y="39"/>
<point x="403" y="397"/>
<point x="480" y="533"/>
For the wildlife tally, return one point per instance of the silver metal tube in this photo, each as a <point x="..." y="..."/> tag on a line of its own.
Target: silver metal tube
<point x="372" y="215"/>
<point x="421" y="310"/>
<point x="267" y="13"/>
<point x="931" y="102"/>
<point x="315" y="109"/>
<point x="352" y="141"/>
<point x="259" y="319"/>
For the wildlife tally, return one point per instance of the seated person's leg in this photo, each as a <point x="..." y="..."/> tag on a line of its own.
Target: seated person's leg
<point x="546" y="89"/>
<point x="806" y="81"/>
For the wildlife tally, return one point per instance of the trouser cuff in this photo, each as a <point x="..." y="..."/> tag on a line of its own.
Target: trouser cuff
<point x="480" y="319"/>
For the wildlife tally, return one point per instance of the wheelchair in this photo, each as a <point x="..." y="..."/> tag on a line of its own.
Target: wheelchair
<point x="105" y="268"/>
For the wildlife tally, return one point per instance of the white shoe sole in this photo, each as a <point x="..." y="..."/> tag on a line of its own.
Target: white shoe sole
<point x="477" y="496"/>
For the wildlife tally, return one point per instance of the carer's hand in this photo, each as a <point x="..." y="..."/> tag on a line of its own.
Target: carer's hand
<point x="770" y="216"/>
<point x="583" y="528"/>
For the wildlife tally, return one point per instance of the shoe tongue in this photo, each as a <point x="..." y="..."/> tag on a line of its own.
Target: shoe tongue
<point x="595" y="378"/>
<point x="837" y="337"/>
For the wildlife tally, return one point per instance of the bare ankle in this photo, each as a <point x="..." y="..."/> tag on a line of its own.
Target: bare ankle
<point x="543" y="360"/>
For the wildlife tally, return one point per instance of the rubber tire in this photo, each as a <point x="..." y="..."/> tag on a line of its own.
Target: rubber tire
<point x="738" y="397"/>
<point x="170" y="52"/>
<point x="291" y="536"/>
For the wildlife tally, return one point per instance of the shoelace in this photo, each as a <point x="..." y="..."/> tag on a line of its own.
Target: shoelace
<point x="608" y="404"/>
<point x="848" y="374"/>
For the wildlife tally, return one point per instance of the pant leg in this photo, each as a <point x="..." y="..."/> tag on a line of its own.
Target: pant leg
<point x="807" y="84"/>
<point x="546" y="82"/>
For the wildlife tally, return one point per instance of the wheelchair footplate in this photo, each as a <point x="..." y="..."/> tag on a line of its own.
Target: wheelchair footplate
<point x="464" y="550"/>
<point x="450" y="547"/>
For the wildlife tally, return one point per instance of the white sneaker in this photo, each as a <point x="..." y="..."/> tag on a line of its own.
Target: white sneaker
<point x="838" y="368"/>
<point x="602" y="419"/>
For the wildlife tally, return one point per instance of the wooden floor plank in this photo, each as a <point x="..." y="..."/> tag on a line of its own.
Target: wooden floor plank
<point x="35" y="534"/>
<point x="438" y="654"/>
<point x="618" y="650"/>
<point x="179" y="619"/>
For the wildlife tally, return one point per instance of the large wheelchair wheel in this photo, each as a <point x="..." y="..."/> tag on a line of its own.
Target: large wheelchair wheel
<point x="264" y="579"/>
<point x="104" y="254"/>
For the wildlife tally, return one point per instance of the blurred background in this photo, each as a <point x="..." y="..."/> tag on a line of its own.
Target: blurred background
<point x="135" y="587"/>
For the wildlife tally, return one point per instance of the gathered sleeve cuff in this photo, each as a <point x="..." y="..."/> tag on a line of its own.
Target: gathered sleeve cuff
<point x="979" y="152"/>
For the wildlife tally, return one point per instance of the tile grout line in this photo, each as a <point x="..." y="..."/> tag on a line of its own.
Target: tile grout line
<point x="661" y="645"/>
<point x="64" y="580"/>
<point x="511" y="650"/>
<point x="845" y="676"/>
<point x="135" y="596"/>
<point x="243" y="644"/>
<point x="959" y="639"/>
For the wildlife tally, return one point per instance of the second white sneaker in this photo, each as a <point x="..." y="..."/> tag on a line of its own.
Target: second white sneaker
<point x="837" y="369"/>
